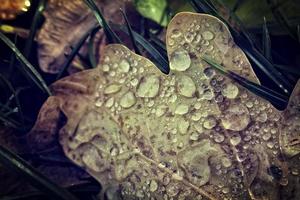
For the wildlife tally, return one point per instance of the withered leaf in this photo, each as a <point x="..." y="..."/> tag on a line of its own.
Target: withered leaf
<point x="66" y="23"/>
<point x="191" y="134"/>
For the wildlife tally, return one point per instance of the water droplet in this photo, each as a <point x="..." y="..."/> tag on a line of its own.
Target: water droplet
<point x="180" y="60"/>
<point x="189" y="36"/>
<point x="226" y="162"/>
<point x="225" y="190"/>
<point x="153" y="186"/>
<point x="124" y="66"/>
<point x="198" y="127"/>
<point x="110" y="102"/>
<point x="197" y="105"/>
<point x="148" y="87"/>
<point x="183" y="126"/>
<point x="230" y="91"/>
<point x="262" y="117"/>
<point x="113" y="88"/>
<point x="106" y="59"/>
<point x="209" y="72"/>
<point x="235" y="139"/>
<point x="295" y="171"/>
<point x="186" y="86"/>
<point x="270" y="144"/>
<point x="207" y="35"/>
<point x="284" y="182"/>
<point x="209" y="122"/>
<point x="236" y="118"/>
<point x="134" y="82"/>
<point x="175" y="33"/>
<point x="194" y="136"/>
<point x="173" y="98"/>
<point x="218" y="137"/>
<point x="208" y="94"/>
<point x="197" y="38"/>
<point x="127" y="100"/>
<point x="172" y="189"/>
<point x="180" y="145"/>
<point x="171" y="42"/>
<point x="98" y="102"/>
<point x="266" y="136"/>
<point x="210" y="48"/>
<point x="105" y="68"/>
<point x="150" y="103"/>
<point x="196" y="116"/>
<point x="249" y="104"/>
<point x="114" y="151"/>
<point x="112" y="73"/>
<point x="181" y="109"/>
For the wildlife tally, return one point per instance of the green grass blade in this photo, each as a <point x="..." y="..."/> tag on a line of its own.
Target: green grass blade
<point x="267" y="67"/>
<point x="85" y="189"/>
<point x="9" y="122"/>
<point x="158" y="58"/>
<point x="281" y="19"/>
<point x="136" y="48"/>
<point x="31" y="71"/>
<point x="11" y="161"/>
<point x="244" y="40"/>
<point x="257" y="89"/>
<point x="289" y="69"/>
<point x="237" y="4"/>
<point x="15" y="96"/>
<point x="298" y="32"/>
<point x="73" y="53"/>
<point x="91" y="48"/>
<point x="110" y="34"/>
<point x="266" y="41"/>
<point x="33" y="28"/>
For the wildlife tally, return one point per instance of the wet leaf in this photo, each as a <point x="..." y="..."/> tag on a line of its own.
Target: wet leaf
<point x="193" y="133"/>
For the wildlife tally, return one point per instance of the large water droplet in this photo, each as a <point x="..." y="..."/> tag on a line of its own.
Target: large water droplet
<point x="236" y="118"/>
<point x="180" y="60"/>
<point x="124" y="66"/>
<point x="186" y="86"/>
<point x="182" y="109"/>
<point x="207" y="35"/>
<point x="153" y="186"/>
<point x="209" y="122"/>
<point x="230" y="91"/>
<point x="127" y="100"/>
<point x="113" y="88"/>
<point x="148" y="87"/>
<point x="110" y="102"/>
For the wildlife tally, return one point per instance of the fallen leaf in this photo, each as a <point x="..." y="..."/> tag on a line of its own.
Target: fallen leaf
<point x="66" y="23"/>
<point x="191" y="134"/>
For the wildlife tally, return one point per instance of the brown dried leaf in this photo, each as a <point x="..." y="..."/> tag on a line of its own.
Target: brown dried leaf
<point x="66" y="23"/>
<point x="193" y="133"/>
